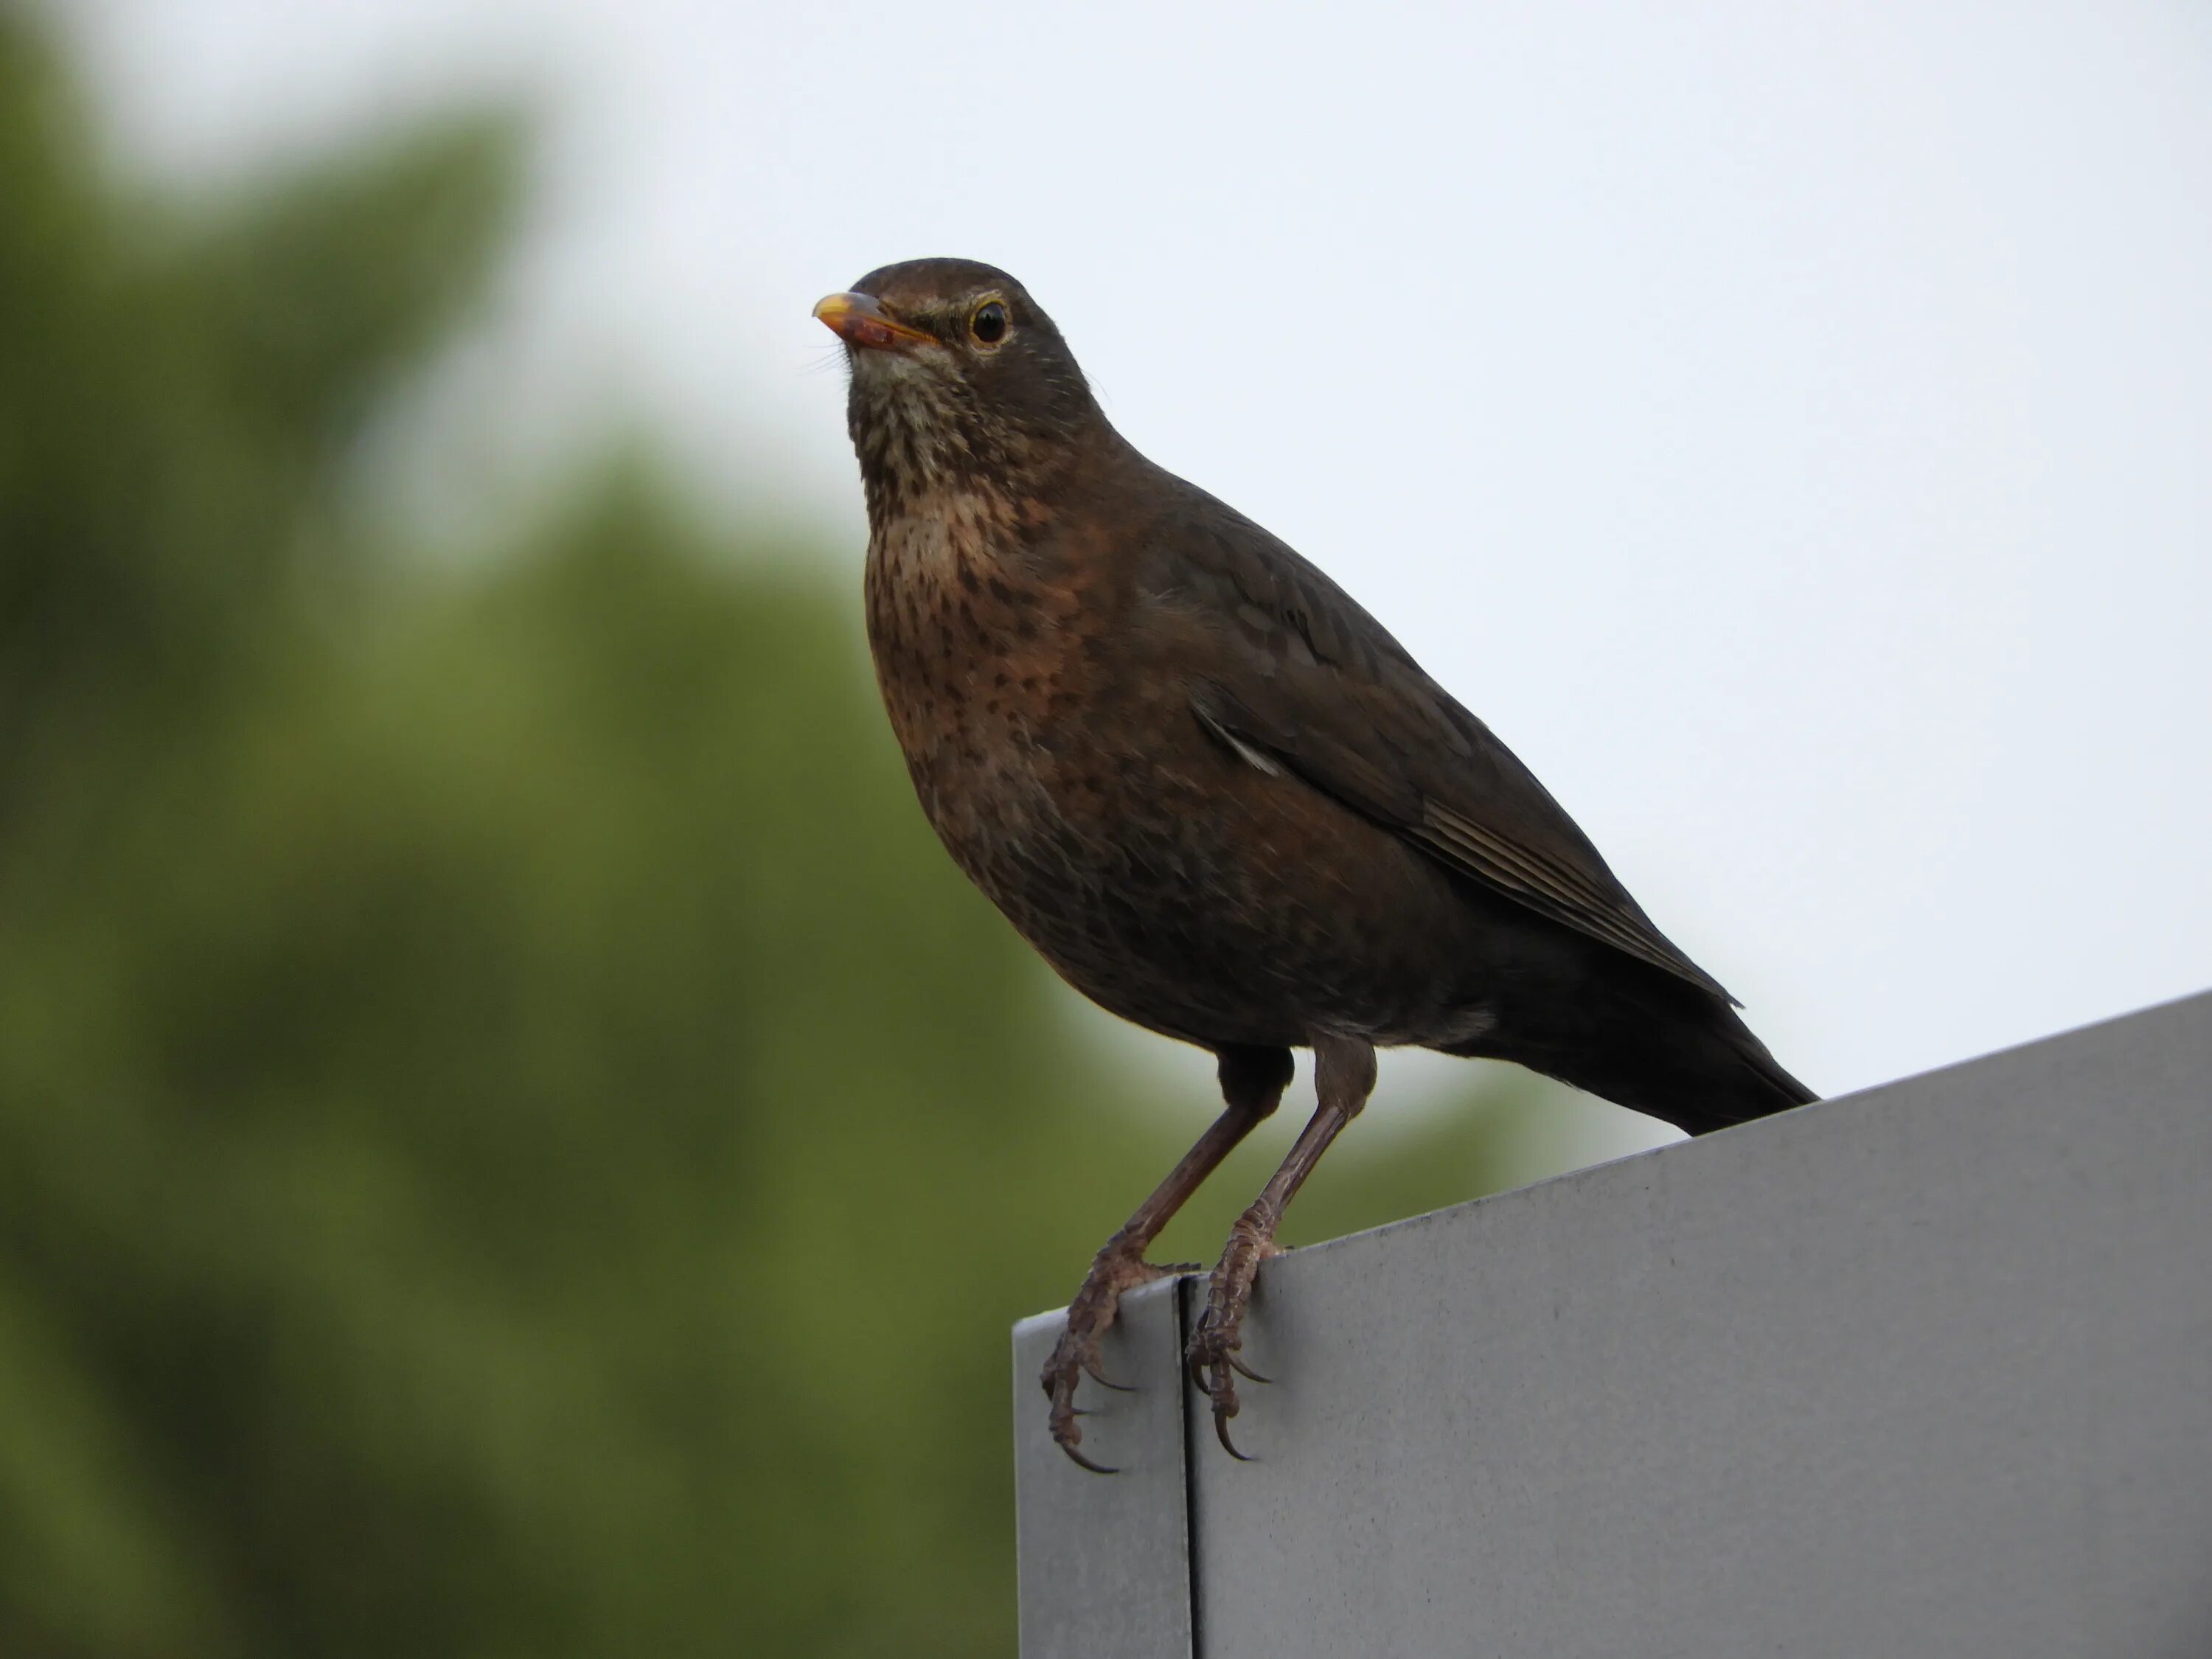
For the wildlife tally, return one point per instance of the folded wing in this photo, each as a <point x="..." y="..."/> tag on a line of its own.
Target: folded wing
<point x="1312" y="685"/>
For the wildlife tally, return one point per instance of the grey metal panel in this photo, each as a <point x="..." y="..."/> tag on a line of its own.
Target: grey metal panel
<point x="1926" y="1370"/>
<point x="1104" y="1559"/>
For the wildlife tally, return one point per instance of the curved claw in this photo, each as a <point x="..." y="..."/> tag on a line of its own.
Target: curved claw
<point x="1083" y="1463"/>
<point x="1212" y="1356"/>
<point x="1221" y="1431"/>
<point x="1066" y="1435"/>
<point x="1106" y="1382"/>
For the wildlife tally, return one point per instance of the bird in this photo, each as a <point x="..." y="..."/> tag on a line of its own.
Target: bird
<point x="1215" y="793"/>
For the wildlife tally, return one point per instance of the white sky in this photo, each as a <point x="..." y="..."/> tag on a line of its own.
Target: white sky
<point x="1789" y="425"/>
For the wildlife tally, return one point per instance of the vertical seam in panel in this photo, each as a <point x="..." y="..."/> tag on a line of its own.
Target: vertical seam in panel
<point x="1186" y="1291"/>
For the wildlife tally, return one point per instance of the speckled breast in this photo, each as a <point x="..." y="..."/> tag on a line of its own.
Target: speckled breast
<point x="1162" y="876"/>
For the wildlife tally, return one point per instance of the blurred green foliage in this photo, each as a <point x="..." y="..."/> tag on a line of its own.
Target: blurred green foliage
<point x="513" y="1140"/>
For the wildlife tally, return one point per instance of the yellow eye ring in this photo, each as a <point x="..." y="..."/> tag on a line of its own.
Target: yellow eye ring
<point x="987" y="324"/>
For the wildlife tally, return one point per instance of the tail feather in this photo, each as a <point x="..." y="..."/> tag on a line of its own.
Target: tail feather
<point x="1664" y="1048"/>
<point x="1768" y="1089"/>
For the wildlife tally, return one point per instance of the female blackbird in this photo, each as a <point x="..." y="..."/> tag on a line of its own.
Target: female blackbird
<point x="1214" y="792"/>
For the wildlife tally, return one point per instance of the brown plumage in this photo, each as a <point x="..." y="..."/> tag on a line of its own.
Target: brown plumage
<point x="1213" y="791"/>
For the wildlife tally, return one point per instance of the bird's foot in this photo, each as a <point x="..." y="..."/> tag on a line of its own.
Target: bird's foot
<point x="1117" y="1268"/>
<point x="1214" y="1366"/>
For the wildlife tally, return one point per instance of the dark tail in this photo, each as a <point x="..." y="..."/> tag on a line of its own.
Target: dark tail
<point x="1655" y="1044"/>
<point x="1745" y="1082"/>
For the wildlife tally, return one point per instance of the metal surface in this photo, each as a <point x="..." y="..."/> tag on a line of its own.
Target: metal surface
<point x="1926" y="1369"/>
<point x="1105" y="1561"/>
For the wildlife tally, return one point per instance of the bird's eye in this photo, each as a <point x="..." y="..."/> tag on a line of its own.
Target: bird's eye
<point x="988" y="325"/>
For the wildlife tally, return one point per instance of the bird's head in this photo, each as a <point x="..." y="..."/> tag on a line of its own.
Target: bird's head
<point x="958" y="380"/>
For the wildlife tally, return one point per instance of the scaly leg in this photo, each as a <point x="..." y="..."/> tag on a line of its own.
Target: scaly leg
<point x="1344" y="1076"/>
<point x="1252" y="1084"/>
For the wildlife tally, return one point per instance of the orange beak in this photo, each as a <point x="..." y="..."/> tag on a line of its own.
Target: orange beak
<point x="861" y="320"/>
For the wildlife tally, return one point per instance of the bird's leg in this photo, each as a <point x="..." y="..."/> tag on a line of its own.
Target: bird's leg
<point x="1252" y="1084"/>
<point x="1344" y="1076"/>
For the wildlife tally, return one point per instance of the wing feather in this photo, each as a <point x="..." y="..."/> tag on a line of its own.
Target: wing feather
<point x="1312" y="684"/>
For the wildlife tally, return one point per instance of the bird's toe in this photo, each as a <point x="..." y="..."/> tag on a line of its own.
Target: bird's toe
<point x="1078" y="1354"/>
